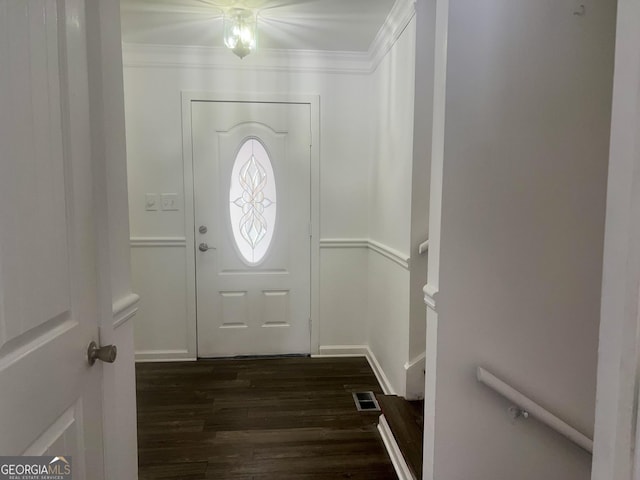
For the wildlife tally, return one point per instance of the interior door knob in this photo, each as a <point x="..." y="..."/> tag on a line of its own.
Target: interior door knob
<point x="107" y="354"/>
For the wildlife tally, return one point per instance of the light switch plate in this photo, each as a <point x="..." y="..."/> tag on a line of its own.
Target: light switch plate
<point x="169" y="201"/>
<point x="151" y="202"/>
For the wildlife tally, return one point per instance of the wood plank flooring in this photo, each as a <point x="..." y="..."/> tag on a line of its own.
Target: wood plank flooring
<point x="258" y="419"/>
<point x="406" y="421"/>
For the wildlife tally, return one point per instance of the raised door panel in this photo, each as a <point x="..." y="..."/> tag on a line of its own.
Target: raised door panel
<point x="51" y="398"/>
<point x="252" y="193"/>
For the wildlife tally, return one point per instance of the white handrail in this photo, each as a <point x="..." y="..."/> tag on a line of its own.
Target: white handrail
<point x="535" y="410"/>
<point x="423" y="247"/>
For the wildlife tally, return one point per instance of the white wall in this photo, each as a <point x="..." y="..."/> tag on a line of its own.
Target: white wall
<point x="343" y="296"/>
<point x="154" y="143"/>
<point x="525" y="167"/>
<point x="390" y="207"/>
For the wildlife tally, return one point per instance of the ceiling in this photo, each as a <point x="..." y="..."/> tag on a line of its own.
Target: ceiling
<point x="331" y="25"/>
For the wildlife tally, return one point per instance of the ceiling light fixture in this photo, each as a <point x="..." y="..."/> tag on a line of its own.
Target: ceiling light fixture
<point x="240" y="31"/>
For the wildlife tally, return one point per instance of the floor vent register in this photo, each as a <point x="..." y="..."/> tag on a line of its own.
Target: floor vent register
<point x="366" y="402"/>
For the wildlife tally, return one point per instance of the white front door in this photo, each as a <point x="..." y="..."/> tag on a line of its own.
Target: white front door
<point x="252" y="182"/>
<point x="50" y="398"/>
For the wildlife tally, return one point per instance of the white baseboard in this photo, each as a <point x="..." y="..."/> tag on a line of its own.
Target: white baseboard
<point x="342" y="351"/>
<point x="399" y="463"/>
<point x="359" y="351"/>
<point x="387" y="388"/>
<point x="164" y="356"/>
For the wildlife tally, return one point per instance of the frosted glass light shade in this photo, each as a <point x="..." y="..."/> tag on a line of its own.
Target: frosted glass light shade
<point x="240" y="31"/>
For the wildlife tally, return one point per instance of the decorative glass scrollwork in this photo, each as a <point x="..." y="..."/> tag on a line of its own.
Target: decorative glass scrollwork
<point x="252" y="201"/>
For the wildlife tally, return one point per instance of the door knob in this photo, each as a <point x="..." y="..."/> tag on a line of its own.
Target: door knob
<point x="107" y="354"/>
<point x="203" y="247"/>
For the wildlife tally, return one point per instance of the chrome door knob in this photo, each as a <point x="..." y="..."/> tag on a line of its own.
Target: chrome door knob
<point x="203" y="247"/>
<point x="107" y="354"/>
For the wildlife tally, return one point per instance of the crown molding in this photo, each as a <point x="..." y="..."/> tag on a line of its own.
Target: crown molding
<point x="219" y="58"/>
<point x="399" y="17"/>
<point x="138" y="55"/>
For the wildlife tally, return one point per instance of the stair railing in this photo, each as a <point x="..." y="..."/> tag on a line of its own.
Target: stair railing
<point x="527" y="407"/>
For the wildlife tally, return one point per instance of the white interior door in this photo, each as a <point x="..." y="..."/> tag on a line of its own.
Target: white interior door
<point x="50" y="398"/>
<point x="252" y="181"/>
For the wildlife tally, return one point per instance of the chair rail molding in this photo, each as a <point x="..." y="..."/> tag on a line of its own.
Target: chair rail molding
<point x="137" y="242"/>
<point x="415" y="375"/>
<point x="423" y="247"/>
<point x="390" y="253"/>
<point x="124" y="309"/>
<point x="416" y="361"/>
<point x="344" y="243"/>
<point x="430" y="294"/>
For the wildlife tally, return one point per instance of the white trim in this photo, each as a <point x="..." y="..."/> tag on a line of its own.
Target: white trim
<point x="137" y="242"/>
<point x="419" y="360"/>
<point x="397" y="459"/>
<point x="430" y="293"/>
<point x="218" y="58"/>
<point x="414" y="373"/>
<point x="124" y="309"/>
<point x="615" y="455"/>
<point x="187" y="157"/>
<point x="435" y="223"/>
<point x="390" y="253"/>
<point x="344" y="243"/>
<point x="342" y="351"/>
<point x="399" y="17"/>
<point x="423" y="247"/>
<point x="138" y="55"/>
<point x="147" y="356"/>
<point x="358" y="351"/>
<point x="387" y="388"/>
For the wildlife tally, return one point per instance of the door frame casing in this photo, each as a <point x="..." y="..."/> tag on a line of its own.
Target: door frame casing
<point x="189" y="200"/>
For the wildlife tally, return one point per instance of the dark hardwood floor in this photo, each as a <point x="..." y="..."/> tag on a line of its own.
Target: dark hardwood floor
<point x="258" y="419"/>
<point x="406" y="421"/>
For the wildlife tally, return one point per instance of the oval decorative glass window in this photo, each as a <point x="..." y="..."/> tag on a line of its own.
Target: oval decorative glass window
<point x="252" y="201"/>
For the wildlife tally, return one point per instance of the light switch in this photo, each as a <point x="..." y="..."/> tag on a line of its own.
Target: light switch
<point x="169" y="201"/>
<point x="151" y="202"/>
